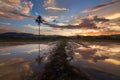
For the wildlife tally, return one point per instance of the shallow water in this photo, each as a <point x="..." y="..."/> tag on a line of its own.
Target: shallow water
<point x="20" y="60"/>
<point x="101" y="60"/>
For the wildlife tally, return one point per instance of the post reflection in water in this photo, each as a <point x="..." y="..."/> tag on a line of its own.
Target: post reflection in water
<point x="39" y="57"/>
<point x="99" y="59"/>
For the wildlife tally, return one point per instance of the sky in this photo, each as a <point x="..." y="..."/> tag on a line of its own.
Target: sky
<point x="63" y="17"/>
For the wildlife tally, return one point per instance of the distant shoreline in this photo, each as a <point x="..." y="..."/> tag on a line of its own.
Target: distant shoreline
<point x="35" y="40"/>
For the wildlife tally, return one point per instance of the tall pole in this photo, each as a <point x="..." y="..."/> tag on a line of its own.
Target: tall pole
<point x="39" y="20"/>
<point x="38" y="40"/>
<point x="39" y="58"/>
<point x="39" y="31"/>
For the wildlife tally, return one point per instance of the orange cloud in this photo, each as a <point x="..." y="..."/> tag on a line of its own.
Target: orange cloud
<point x="82" y="23"/>
<point x="4" y="30"/>
<point x="99" y="7"/>
<point x="113" y="16"/>
<point x="98" y="33"/>
<point x="51" y="5"/>
<point x="15" y="9"/>
<point x="113" y="61"/>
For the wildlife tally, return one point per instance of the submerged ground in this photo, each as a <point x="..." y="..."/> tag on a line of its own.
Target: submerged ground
<point x="60" y="60"/>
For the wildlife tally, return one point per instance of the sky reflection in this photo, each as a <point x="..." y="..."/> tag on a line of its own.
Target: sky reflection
<point x="20" y="61"/>
<point x="98" y="58"/>
<point x="21" y="50"/>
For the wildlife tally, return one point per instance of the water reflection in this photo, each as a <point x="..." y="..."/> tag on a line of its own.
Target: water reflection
<point x="39" y="58"/>
<point x="99" y="59"/>
<point x="21" y="62"/>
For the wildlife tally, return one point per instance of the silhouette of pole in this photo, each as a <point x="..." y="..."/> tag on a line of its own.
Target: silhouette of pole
<point x="39" y="20"/>
<point x="39" y="31"/>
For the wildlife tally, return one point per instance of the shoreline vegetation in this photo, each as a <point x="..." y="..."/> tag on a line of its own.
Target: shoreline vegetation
<point x="36" y="40"/>
<point x="26" y="37"/>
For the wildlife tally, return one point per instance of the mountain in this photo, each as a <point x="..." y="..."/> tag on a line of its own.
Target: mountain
<point x="12" y="35"/>
<point x="25" y="35"/>
<point x="17" y="35"/>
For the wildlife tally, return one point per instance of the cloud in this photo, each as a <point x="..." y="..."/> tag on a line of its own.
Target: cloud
<point x="113" y="61"/>
<point x="93" y="18"/>
<point x="57" y="32"/>
<point x="113" y="16"/>
<point x="99" y="7"/>
<point x="85" y="24"/>
<point x="31" y="26"/>
<point x="56" y="8"/>
<point x="96" y="32"/>
<point x="4" y="30"/>
<point x="88" y="26"/>
<point x="96" y="19"/>
<point x="5" y="23"/>
<point x="82" y="23"/>
<point x="15" y="9"/>
<point x="50" y="18"/>
<point x="51" y="5"/>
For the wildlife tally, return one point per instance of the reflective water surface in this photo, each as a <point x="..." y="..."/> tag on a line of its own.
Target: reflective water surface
<point x="18" y="60"/>
<point x="100" y="60"/>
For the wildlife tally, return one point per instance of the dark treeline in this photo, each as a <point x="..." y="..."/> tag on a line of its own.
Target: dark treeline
<point x="12" y="36"/>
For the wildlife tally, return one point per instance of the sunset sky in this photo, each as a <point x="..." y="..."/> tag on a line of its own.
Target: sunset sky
<point x="64" y="17"/>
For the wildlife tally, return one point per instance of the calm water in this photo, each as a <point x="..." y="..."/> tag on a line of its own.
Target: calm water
<point x="18" y="60"/>
<point x="100" y="60"/>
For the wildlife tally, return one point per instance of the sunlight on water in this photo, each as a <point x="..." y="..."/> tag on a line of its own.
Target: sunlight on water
<point x="18" y="61"/>
<point x="97" y="58"/>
